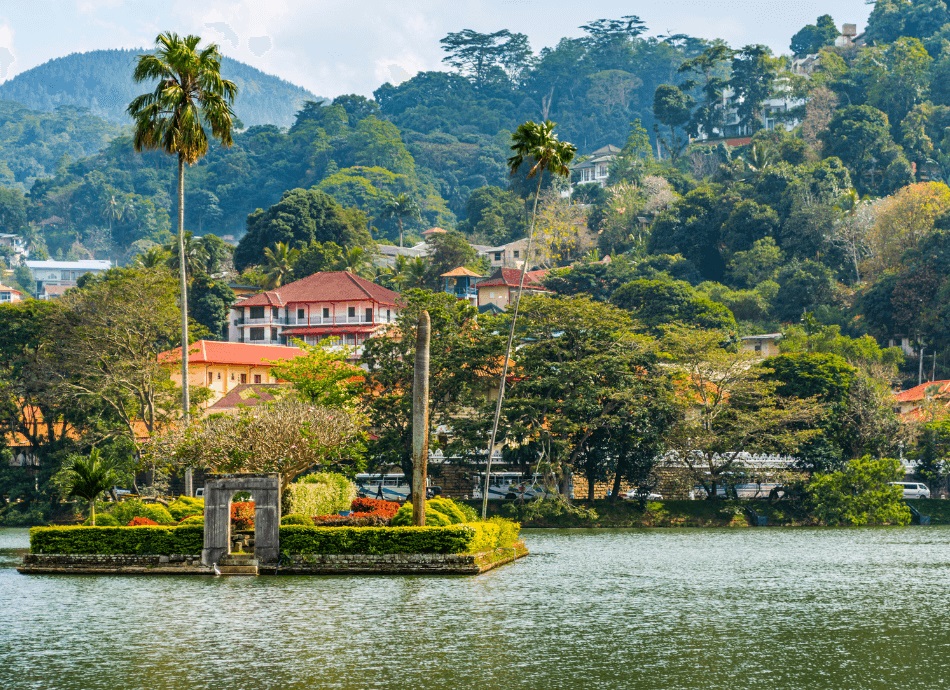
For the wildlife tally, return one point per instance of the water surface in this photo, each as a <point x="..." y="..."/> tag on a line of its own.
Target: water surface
<point x="688" y="608"/>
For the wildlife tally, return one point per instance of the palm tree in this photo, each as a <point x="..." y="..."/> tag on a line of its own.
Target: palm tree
<point x="189" y="95"/>
<point x="195" y="253"/>
<point x="537" y="145"/>
<point x="88" y="478"/>
<point x="400" y="206"/>
<point x="153" y="257"/>
<point x="357" y="261"/>
<point x="279" y="264"/>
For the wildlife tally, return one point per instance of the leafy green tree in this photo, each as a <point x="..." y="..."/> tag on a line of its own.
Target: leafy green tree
<point x="711" y="66"/>
<point x="805" y="286"/>
<point x="813" y="37"/>
<point x="753" y="266"/>
<point x="88" y="478"/>
<point x="322" y="376"/>
<point x="673" y="108"/>
<point x="658" y="303"/>
<point x="279" y="263"/>
<point x="931" y="453"/>
<point x="754" y="71"/>
<point x="860" y="136"/>
<point x="190" y="95"/>
<point x="209" y="303"/>
<point x="859" y="494"/>
<point x="487" y="57"/>
<point x="447" y="250"/>
<point x="897" y="77"/>
<point x="317" y="257"/>
<point x="495" y="214"/>
<point x="401" y="207"/>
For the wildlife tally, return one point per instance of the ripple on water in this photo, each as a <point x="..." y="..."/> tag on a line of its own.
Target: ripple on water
<point x="684" y="608"/>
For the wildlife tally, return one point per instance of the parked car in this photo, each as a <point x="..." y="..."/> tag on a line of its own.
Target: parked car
<point x="642" y="494"/>
<point x="913" y="489"/>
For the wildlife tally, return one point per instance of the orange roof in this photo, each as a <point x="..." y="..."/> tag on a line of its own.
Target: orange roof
<point x="433" y="231"/>
<point x="244" y="354"/>
<point x="248" y="395"/>
<point x="511" y="277"/>
<point x="918" y="393"/>
<point x="5" y="288"/>
<point x="460" y="272"/>
<point x="332" y="286"/>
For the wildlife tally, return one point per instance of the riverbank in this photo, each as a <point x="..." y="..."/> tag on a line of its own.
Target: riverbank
<point x="730" y="513"/>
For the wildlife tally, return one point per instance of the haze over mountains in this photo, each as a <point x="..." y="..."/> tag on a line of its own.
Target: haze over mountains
<point x="101" y="81"/>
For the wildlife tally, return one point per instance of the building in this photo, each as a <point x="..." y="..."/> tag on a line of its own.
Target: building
<point x="222" y="367"/>
<point x="510" y="255"/>
<point x="15" y="243"/>
<point x="8" y="294"/>
<point x="62" y="274"/>
<point x="595" y="168"/>
<point x="910" y="402"/>
<point x="498" y="290"/>
<point x="336" y="305"/>
<point x="461" y="282"/>
<point x="765" y="345"/>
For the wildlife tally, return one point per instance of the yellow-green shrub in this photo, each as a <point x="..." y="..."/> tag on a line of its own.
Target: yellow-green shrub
<point x="323" y="493"/>
<point x="439" y="511"/>
<point x="185" y="506"/>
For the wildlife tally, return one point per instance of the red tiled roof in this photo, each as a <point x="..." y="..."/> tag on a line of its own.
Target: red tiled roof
<point x="433" y="231"/>
<point x="511" y="277"/>
<point x="335" y="286"/>
<point x="4" y="288"/>
<point x="918" y="393"/>
<point x="245" y="354"/>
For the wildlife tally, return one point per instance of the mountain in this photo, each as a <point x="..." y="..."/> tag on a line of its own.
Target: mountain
<point x="101" y="80"/>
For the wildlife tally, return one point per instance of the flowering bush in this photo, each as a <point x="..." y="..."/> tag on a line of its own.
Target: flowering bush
<point x="242" y="514"/>
<point x="141" y="521"/>
<point x="374" y="506"/>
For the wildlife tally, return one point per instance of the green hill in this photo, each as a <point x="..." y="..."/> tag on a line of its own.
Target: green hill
<point x="101" y="81"/>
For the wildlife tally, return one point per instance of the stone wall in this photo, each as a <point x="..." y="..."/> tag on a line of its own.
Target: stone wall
<point x="181" y="564"/>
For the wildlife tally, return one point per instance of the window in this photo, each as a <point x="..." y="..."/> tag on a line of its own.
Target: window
<point x="517" y="253"/>
<point x="326" y="312"/>
<point x="243" y="378"/>
<point x="273" y="334"/>
<point x="369" y="315"/>
<point x="257" y="378"/>
<point x="351" y="312"/>
<point x="232" y="376"/>
<point x="219" y="376"/>
<point x="497" y="256"/>
<point x="387" y="316"/>
<point x="257" y="312"/>
<point x="275" y="312"/>
<point x="210" y="377"/>
<point x="257" y="334"/>
<point x="300" y="314"/>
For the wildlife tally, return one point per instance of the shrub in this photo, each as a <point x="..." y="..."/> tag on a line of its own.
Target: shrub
<point x="351" y="520"/>
<point x="103" y="520"/>
<point x="156" y="541"/>
<point x="376" y="540"/>
<point x="141" y="522"/>
<point x="193" y="520"/>
<point x="374" y="506"/>
<point x="319" y="494"/>
<point x="508" y="531"/>
<point x="439" y="511"/>
<point x="124" y="511"/>
<point x="242" y="514"/>
<point x="159" y="513"/>
<point x="859" y="494"/>
<point x="185" y="506"/>
<point x="297" y="519"/>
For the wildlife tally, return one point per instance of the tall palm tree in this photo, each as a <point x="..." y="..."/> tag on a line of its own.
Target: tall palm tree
<point x="400" y="206"/>
<point x="357" y="261"/>
<point x="279" y="264"/>
<point x="153" y="257"/>
<point x="537" y="145"/>
<point x="195" y="253"/>
<point x="88" y="478"/>
<point x="189" y="95"/>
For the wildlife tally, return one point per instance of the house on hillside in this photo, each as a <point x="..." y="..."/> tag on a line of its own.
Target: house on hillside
<point x="461" y="282"/>
<point x="595" y="167"/>
<point x="510" y="255"/>
<point x="498" y="290"/>
<point x="54" y="277"/>
<point x="910" y="402"/>
<point x="15" y="244"/>
<point x="8" y="294"/>
<point x="764" y="345"/>
<point x="336" y="305"/>
<point x="222" y="367"/>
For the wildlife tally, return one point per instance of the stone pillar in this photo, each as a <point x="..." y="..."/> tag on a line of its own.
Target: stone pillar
<point x="217" y="523"/>
<point x="267" y="524"/>
<point x="265" y="488"/>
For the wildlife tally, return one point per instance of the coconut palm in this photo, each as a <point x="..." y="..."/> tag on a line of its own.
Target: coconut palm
<point x="279" y="264"/>
<point x="400" y="206"/>
<point x="358" y="261"/>
<point x="153" y="257"/>
<point x="195" y="253"/>
<point x="537" y="145"/>
<point x="87" y="478"/>
<point x="189" y="95"/>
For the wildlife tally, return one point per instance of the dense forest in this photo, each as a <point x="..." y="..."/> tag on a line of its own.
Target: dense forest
<point x="842" y="216"/>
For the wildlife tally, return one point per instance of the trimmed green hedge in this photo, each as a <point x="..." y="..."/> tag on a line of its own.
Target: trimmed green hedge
<point x="151" y="541"/>
<point x="296" y="539"/>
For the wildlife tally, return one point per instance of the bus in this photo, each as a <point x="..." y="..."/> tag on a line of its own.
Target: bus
<point x="509" y="485"/>
<point x="390" y="487"/>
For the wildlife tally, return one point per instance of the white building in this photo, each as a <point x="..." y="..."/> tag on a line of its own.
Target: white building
<point x="62" y="274"/>
<point x="595" y="168"/>
<point x="8" y="294"/>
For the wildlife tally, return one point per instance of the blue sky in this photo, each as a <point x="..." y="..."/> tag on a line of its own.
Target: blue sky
<point x="352" y="46"/>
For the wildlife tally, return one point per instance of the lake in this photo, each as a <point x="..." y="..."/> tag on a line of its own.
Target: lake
<point x="686" y="608"/>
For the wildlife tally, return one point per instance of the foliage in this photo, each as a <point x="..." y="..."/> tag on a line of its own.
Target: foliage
<point x="374" y="505"/>
<point x="377" y="540"/>
<point x="242" y="515"/>
<point x="193" y="520"/>
<point x="439" y="511"/>
<point x="297" y="519"/>
<point x="107" y="520"/>
<point x="859" y="494"/>
<point x="152" y="541"/>
<point x="322" y="376"/>
<point x="87" y="478"/>
<point x="320" y="493"/>
<point x="141" y="522"/>
<point x="813" y="37"/>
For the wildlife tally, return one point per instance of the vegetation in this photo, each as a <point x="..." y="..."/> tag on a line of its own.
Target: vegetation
<point x="455" y="538"/>
<point x="321" y="493"/>
<point x="88" y="478"/>
<point x="860" y="494"/>
<point x="158" y="541"/>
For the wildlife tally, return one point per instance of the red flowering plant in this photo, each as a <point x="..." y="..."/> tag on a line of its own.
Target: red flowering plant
<point x="364" y="512"/>
<point x="141" y="521"/>
<point x="386" y="509"/>
<point x="242" y="515"/>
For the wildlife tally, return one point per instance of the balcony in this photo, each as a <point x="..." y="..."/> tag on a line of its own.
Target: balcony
<point x="329" y="321"/>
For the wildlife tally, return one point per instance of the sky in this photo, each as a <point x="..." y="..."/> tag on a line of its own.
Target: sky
<point x="352" y="46"/>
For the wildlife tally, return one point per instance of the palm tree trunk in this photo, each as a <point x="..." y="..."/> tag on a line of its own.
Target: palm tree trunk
<point x="420" y="421"/>
<point x="183" y="277"/>
<point x="511" y="338"/>
<point x="400" y="232"/>
<point x="92" y="511"/>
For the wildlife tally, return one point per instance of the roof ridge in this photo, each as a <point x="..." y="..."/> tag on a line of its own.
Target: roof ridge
<point x="359" y="285"/>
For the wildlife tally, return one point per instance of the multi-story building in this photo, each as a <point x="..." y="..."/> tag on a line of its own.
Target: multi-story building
<point x="336" y="305"/>
<point x="222" y="367"/>
<point x="595" y="168"/>
<point x="499" y="289"/>
<point x="8" y="294"/>
<point x="62" y="274"/>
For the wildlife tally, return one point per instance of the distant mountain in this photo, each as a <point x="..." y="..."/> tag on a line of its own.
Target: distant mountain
<point x="101" y="81"/>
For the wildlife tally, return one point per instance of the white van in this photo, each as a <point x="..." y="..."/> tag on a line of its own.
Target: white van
<point x="913" y="489"/>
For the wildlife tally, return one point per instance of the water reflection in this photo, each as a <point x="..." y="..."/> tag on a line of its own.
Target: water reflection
<point x="589" y="609"/>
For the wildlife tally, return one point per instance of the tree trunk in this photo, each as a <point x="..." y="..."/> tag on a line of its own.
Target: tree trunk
<point x="92" y="512"/>
<point x="400" y="232"/>
<point x="420" y="421"/>
<point x="590" y="488"/>
<point x="615" y="492"/>
<point x="183" y="277"/>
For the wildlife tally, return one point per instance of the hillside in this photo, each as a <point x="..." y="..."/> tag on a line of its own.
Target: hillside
<point x="101" y="81"/>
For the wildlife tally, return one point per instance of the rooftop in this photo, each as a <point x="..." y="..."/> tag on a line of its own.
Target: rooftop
<point x="248" y="395"/>
<point x="4" y="288"/>
<point x="511" y="277"/>
<point x="918" y="393"/>
<point x="88" y="264"/>
<point x="242" y="354"/>
<point x="334" y="286"/>
<point x="460" y="272"/>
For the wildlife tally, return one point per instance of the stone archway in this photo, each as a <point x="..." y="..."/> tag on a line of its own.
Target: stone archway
<point x="265" y="488"/>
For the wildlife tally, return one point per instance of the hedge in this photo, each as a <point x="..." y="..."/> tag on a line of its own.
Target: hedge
<point x="472" y="537"/>
<point x="152" y="541"/>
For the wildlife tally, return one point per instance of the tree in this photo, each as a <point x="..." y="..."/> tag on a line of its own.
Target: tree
<point x="447" y="250"/>
<point x="323" y="376"/>
<point x="860" y="136"/>
<point x="730" y="410"/>
<point x="660" y="302"/>
<point x="485" y="57"/>
<point x="209" y="303"/>
<point x="190" y="95"/>
<point x="754" y="71"/>
<point x="862" y="493"/>
<point x="494" y="215"/>
<point x="401" y="207"/>
<point x="560" y="231"/>
<point x="88" y="478"/>
<point x="897" y="77"/>
<point x="813" y="37"/>
<point x="673" y="108"/>
<point x="279" y="264"/>
<point x="902" y="222"/>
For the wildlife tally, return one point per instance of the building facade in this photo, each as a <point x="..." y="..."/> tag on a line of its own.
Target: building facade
<point x="499" y="289"/>
<point x="8" y="294"/>
<point x="62" y="274"/>
<point x="336" y="305"/>
<point x="595" y="168"/>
